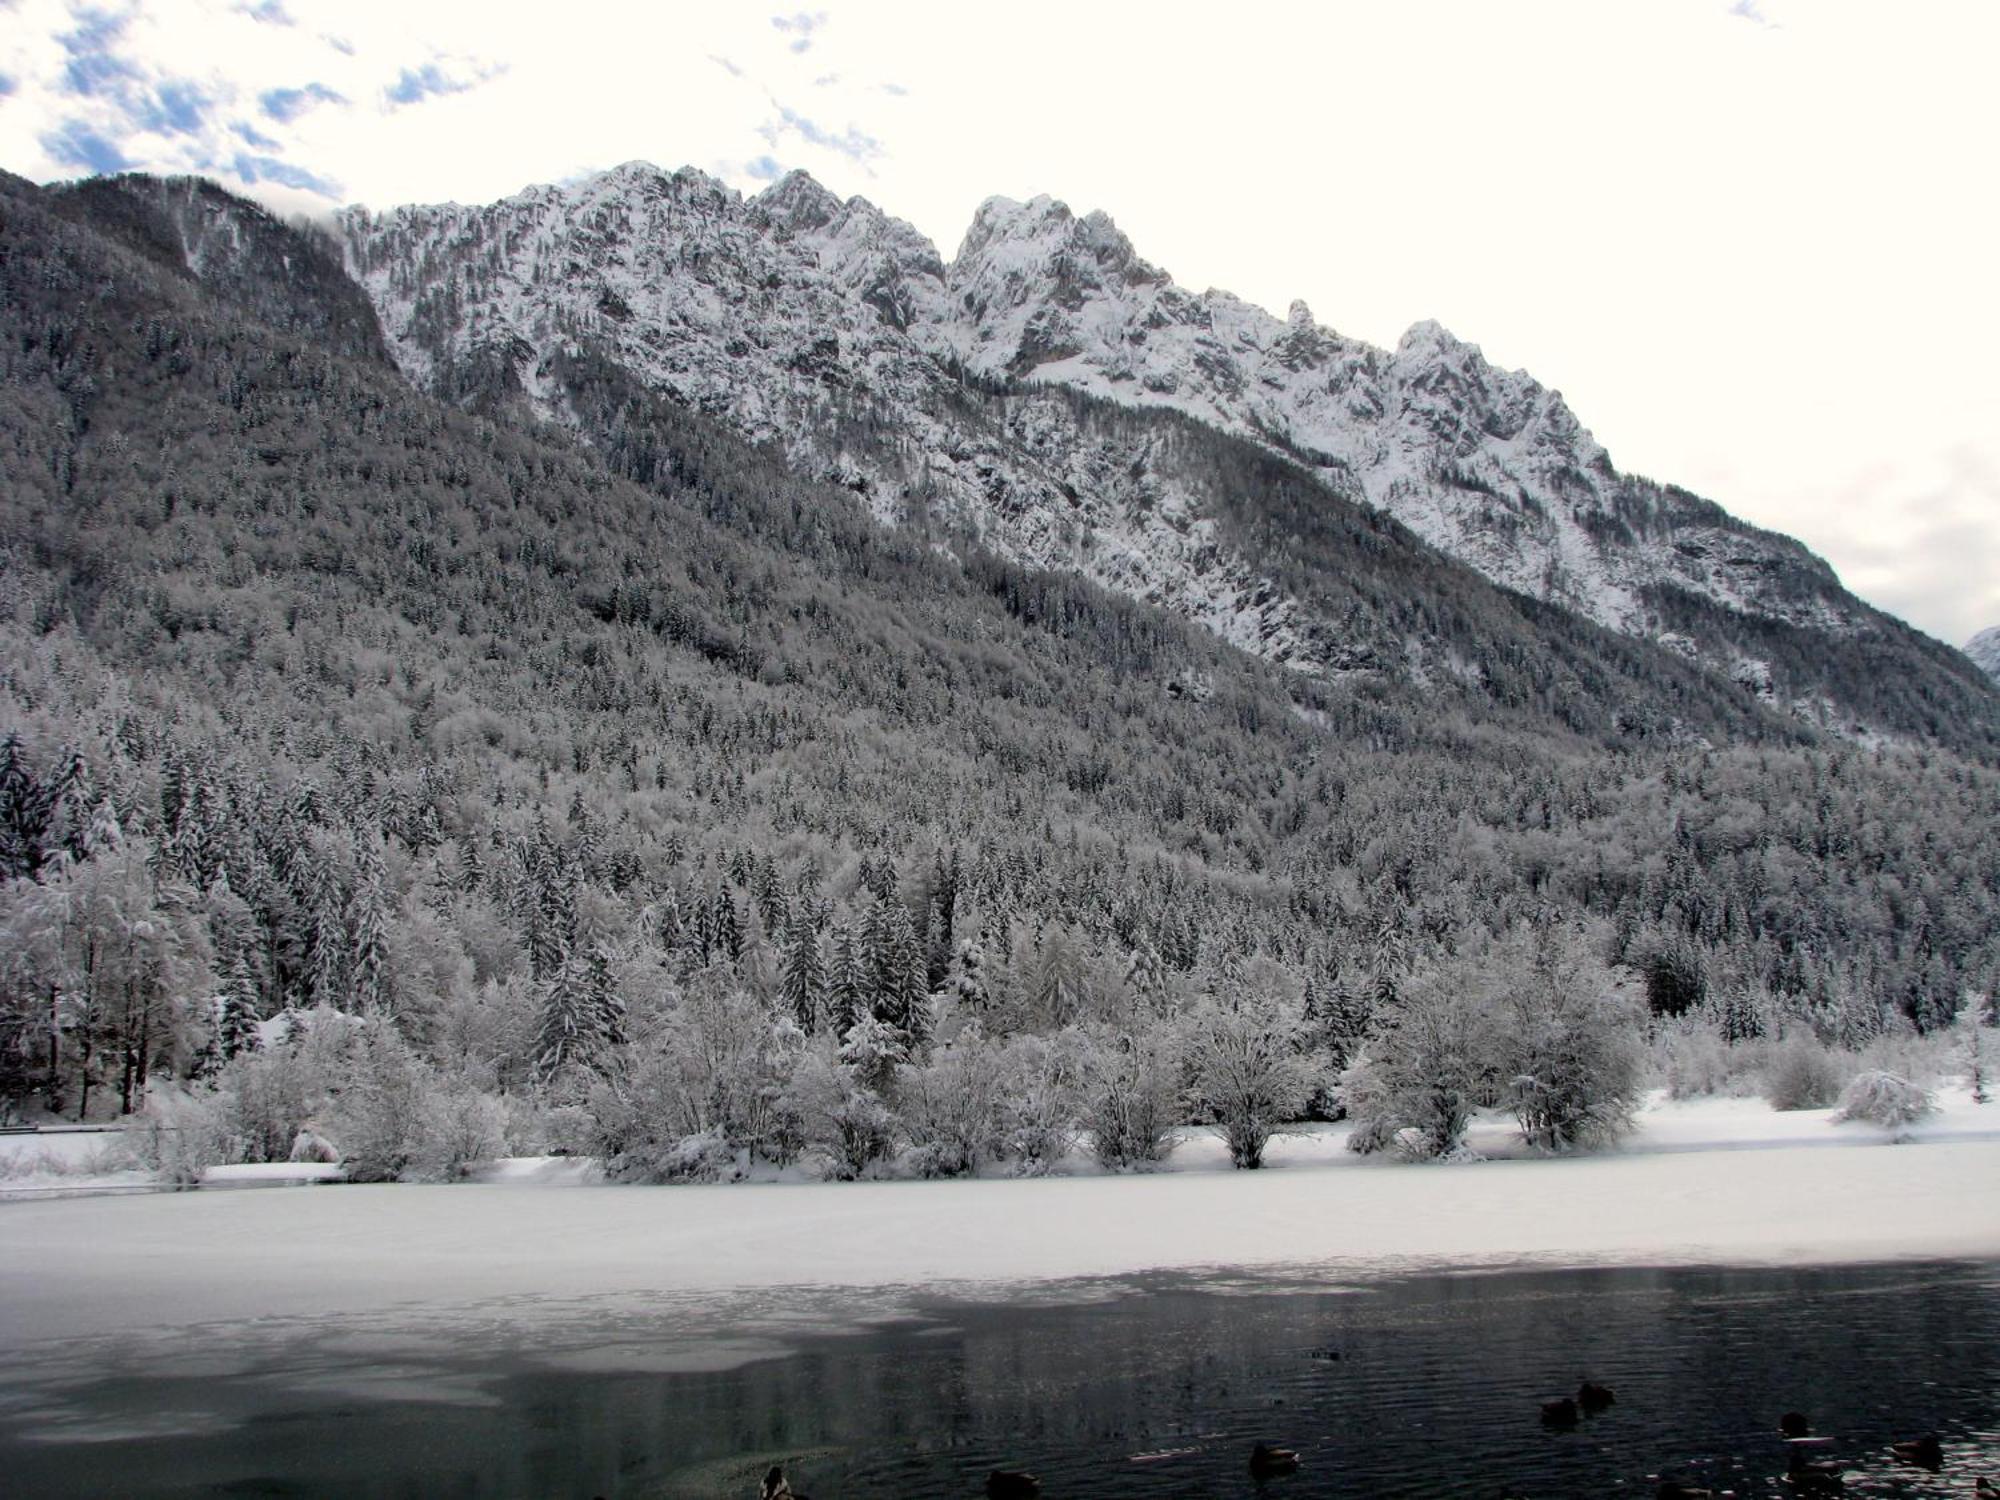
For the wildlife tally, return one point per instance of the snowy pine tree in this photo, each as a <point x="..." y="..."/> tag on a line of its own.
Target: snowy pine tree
<point x="328" y="976"/>
<point x="576" y="1018"/>
<point x="368" y="923"/>
<point x="802" y="978"/>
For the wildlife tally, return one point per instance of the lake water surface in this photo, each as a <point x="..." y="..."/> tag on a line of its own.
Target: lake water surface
<point x="1421" y="1386"/>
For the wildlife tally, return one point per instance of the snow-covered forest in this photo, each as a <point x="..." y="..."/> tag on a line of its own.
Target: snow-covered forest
<point x="425" y="786"/>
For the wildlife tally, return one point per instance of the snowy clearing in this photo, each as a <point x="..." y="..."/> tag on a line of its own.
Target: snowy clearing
<point x="402" y="1255"/>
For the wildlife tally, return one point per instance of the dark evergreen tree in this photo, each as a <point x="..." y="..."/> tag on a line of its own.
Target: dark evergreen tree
<point x="802" y="978"/>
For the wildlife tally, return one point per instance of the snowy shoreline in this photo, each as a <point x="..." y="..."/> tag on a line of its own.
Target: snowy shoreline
<point x="535" y="1248"/>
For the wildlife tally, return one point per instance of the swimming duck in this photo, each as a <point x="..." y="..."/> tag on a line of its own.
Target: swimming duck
<point x="1985" y="1488"/>
<point x="1925" y="1452"/>
<point x="1794" y="1424"/>
<point x="1825" y="1477"/>
<point x="1012" y="1484"/>
<point x="1594" y="1398"/>
<point x="1267" y="1462"/>
<point x="1561" y="1413"/>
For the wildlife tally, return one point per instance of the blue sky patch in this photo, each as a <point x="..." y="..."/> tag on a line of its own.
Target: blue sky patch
<point x="855" y="145"/>
<point x="254" y="169"/>
<point x="92" y="67"/>
<point x="800" y="26"/>
<point x="75" y="144"/>
<point x="177" y="107"/>
<point x="286" y="105"/>
<point x="427" y="82"/>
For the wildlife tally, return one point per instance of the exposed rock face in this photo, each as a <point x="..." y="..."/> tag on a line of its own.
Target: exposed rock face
<point x="1984" y="649"/>
<point x="812" y="324"/>
<point x="936" y="390"/>
<point x="1483" y="463"/>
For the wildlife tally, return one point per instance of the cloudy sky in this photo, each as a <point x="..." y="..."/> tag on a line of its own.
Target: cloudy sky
<point x="1752" y="241"/>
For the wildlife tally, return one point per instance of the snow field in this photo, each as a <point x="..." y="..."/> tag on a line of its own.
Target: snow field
<point x="87" y="1268"/>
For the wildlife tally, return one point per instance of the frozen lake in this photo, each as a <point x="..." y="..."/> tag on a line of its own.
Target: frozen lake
<point x="1155" y="1385"/>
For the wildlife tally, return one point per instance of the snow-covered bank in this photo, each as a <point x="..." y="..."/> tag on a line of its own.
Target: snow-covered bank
<point x="88" y="1268"/>
<point x="76" y="1160"/>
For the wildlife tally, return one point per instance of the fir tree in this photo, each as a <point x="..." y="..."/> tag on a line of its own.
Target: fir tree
<point x="236" y="1020"/>
<point x="330" y="946"/>
<point x="571" y="1027"/>
<point x="1059" y="996"/>
<point x="23" y="814"/>
<point x="847" y="990"/>
<point x="725" y="928"/>
<point x="369" y="926"/>
<point x="802" y="978"/>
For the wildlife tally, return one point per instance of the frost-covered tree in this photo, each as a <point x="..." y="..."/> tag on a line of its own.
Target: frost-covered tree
<point x="489" y="1033"/>
<point x="1132" y="1096"/>
<point x="952" y="1105"/>
<point x="874" y="1049"/>
<point x="460" y="1127"/>
<point x="1429" y="1063"/>
<point x="24" y="813"/>
<point x="330" y="948"/>
<point x="1800" y="1073"/>
<point x="264" y="1099"/>
<point x="720" y="1061"/>
<point x="966" y="981"/>
<point x="1978" y="1046"/>
<point x="378" y="1114"/>
<point x="1569" y="1030"/>
<point x="1886" y="1099"/>
<point x="700" y="1090"/>
<point x="841" y="1115"/>
<point x="1247" y="1067"/>
<point x="1043" y="1097"/>
<point x="117" y="961"/>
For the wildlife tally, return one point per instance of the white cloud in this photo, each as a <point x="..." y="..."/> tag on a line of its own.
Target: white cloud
<point x="1752" y="255"/>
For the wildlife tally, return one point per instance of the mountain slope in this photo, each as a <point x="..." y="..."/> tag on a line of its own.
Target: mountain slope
<point x="839" y="336"/>
<point x="378" y="704"/>
<point x="277" y="273"/>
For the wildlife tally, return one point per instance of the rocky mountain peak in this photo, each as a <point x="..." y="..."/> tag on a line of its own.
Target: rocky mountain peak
<point x="795" y="315"/>
<point x="1001" y="219"/>
<point x="797" y="202"/>
<point x="1430" y="337"/>
<point x="1984" y="649"/>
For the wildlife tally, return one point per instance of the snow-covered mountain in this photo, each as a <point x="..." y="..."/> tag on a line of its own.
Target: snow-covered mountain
<point x="811" y="324"/>
<point x="839" y="334"/>
<point x="1484" y="463"/>
<point x="1984" y="649"/>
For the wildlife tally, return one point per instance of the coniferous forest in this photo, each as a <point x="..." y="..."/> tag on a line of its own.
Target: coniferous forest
<point x="427" y="783"/>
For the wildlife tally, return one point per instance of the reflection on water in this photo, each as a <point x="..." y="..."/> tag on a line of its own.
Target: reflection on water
<point x="1429" y="1386"/>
